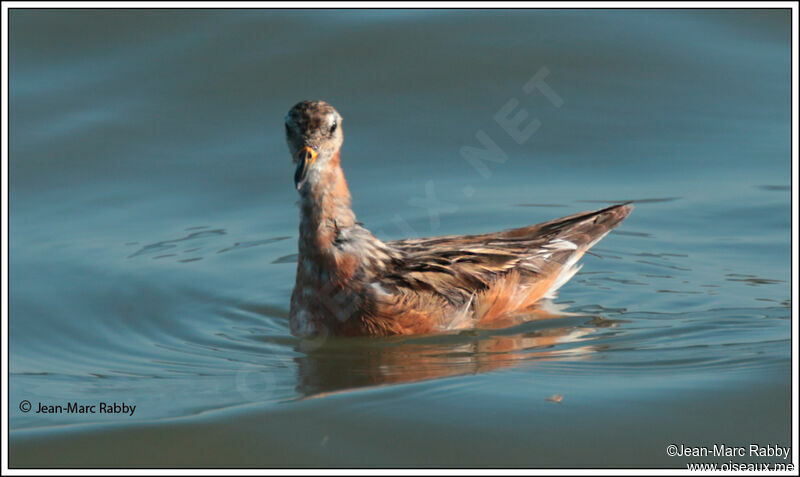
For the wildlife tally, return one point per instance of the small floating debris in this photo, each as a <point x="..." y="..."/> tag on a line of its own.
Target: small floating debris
<point x="557" y="398"/>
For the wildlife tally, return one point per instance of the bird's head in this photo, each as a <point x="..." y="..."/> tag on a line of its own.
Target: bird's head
<point x="314" y="136"/>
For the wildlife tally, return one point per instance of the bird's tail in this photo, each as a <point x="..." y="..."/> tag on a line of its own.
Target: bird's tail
<point x="581" y="234"/>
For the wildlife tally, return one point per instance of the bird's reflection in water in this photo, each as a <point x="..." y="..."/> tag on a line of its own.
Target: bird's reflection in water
<point x="340" y="365"/>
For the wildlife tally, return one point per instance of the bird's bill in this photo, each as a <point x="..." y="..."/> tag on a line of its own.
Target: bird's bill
<point x="305" y="159"/>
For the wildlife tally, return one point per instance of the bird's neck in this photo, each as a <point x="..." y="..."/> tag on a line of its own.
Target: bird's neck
<point x="324" y="208"/>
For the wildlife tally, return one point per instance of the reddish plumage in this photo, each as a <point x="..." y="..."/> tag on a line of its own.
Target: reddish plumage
<point x="350" y="283"/>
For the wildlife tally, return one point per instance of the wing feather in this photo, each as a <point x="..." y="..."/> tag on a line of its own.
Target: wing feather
<point x="458" y="267"/>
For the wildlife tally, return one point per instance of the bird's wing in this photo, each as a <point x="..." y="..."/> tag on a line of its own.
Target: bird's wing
<point x="457" y="267"/>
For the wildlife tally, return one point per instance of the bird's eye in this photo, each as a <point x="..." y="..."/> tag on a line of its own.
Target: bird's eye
<point x="333" y="127"/>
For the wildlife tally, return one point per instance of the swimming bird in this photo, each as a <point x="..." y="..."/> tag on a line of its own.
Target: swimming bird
<point x="350" y="283"/>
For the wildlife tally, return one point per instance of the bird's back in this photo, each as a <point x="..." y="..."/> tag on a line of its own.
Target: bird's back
<point x="485" y="277"/>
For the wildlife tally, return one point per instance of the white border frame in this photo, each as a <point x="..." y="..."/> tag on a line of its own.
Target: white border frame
<point x="329" y="5"/>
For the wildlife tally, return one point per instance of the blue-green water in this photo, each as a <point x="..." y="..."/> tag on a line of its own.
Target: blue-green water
<point x="153" y="226"/>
